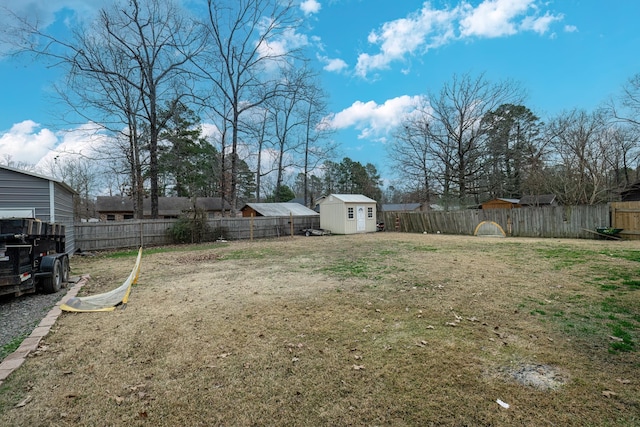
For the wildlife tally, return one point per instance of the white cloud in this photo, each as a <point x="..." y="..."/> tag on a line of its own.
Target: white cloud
<point x="26" y="142"/>
<point x="310" y="7"/>
<point x="334" y="65"/>
<point x="431" y="28"/>
<point x="570" y="29"/>
<point x="494" y="18"/>
<point x="420" y="31"/>
<point x="375" y="120"/>
<point x="539" y="24"/>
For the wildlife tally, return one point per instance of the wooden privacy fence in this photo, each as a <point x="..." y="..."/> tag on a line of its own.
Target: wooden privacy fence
<point x="626" y="215"/>
<point x="149" y="232"/>
<point x="548" y="221"/>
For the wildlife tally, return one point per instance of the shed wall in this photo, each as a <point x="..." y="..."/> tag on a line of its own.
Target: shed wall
<point x="333" y="216"/>
<point x="19" y="190"/>
<point x="64" y="214"/>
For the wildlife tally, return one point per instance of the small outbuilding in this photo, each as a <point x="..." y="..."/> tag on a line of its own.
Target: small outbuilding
<point x="631" y="193"/>
<point x="501" y="203"/>
<point x="28" y="194"/>
<point x="348" y="214"/>
<point x="276" y="209"/>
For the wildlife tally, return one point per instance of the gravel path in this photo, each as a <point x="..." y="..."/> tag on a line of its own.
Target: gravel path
<point x="19" y="316"/>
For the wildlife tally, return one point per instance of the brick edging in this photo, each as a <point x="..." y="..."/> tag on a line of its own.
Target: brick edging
<point x="30" y="344"/>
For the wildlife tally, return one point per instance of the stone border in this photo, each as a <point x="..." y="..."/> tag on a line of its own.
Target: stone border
<point x="31" y="343"/>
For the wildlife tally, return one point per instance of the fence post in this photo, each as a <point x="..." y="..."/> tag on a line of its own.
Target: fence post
<point x="291" y="222"/>
<point x="251" y="227"/>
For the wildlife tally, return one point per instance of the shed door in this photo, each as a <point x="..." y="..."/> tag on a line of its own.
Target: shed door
<point x="360" y="217"/>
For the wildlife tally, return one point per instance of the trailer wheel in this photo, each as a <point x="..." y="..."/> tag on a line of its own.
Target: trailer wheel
<point x="53" y="283"/>
<point x="65" y="269"/>
<point x="307" y="233"/>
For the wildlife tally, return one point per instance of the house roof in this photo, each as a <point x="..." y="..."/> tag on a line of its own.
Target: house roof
<point x="280" y="209"/>
<point x="502" y="199"/>
<point x="350" y="198"/>
<point x="166" y="205"/>
<point x="538" y="200"/>
<point x="401" y="207"/>
<point x="36" y="175"/>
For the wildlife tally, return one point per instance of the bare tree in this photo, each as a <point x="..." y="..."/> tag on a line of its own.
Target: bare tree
<point x="625" y="112"/>
<point x="581" y="144"/>
<point x="132" y="61"/>
<point x="456" y="114"/>
<point x="240" y="61"/>
<point x="449" y="138"/>
<point x="411" y="153"/>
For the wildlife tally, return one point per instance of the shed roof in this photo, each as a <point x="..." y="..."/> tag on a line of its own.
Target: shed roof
<point x="351" y="198"/>
<point x="280" y="209"/>
<point x="36" y="175"/>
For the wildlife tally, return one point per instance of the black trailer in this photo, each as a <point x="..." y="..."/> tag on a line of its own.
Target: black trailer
<point x="32" y="256"/>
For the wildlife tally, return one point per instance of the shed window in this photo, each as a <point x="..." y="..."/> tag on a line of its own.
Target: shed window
<point x="350" y="213"/>
<point x="111" y="217"/>
<point x="369" y="212"/>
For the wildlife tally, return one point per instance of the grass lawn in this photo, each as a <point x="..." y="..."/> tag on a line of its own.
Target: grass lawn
<point x="383" y="329"/>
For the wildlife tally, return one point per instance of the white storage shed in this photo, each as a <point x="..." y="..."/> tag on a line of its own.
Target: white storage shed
<point x="348" y="214"/>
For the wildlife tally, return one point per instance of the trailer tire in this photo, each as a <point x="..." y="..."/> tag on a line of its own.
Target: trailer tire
<point x="307" y="233"/>
<point x="53" y="283"/>
<point x="65" y="269"/>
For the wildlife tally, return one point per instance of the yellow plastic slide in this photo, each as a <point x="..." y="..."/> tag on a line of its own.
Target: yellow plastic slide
<point x="109" y="300"/>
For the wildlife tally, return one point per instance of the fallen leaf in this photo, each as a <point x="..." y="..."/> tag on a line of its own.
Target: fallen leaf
<point x="24" y="401"/>
<point x="357" y="357"/>
<point x="609" y="393"/>
<point x="119" y="400"/>
<point x="223" y="355"/>
<point x="358" y="367"/>
<point x="294" y="359"/>
<point x="451" y="324"/>
<point x="430" y="327"/>
<point x="621" y="381"/>
<point x="618" y="339"/>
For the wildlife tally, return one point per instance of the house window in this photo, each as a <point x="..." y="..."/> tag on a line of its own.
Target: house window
<point x="369" y="212"/>
<point x="128" y="216"/>
<point x="111" y="217"/>
<point x="350" y="213"/>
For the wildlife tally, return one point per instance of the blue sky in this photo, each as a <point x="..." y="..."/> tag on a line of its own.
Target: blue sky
<point x="378" y="57"/>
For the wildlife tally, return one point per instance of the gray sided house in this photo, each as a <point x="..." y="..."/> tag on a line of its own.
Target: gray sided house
<point x="48" y="199"/>
<point x="118" y="208"/>
<point x="348" y="214"/>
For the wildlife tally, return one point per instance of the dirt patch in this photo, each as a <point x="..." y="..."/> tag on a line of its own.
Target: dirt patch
<point x="540" y="377"/>
<point x="377" y="329"/>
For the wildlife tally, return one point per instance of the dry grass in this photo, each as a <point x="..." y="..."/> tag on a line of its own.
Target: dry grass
<point x="379" y="329"/>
